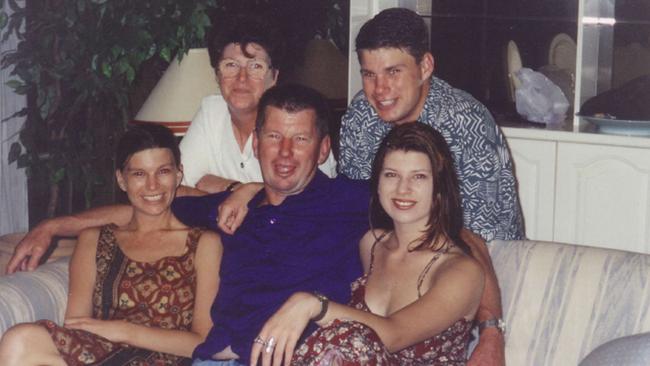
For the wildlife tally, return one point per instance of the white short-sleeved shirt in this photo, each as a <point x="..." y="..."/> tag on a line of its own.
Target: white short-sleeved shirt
<point x="210" y="147"/>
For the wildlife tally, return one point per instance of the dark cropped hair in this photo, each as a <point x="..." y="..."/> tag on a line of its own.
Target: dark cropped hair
<point x="446" y="215"/>
<point x="144" y="137"/>
<point x="245" y="29"/>
<point x="395" y="28"/>
<point x="295" y="98"/>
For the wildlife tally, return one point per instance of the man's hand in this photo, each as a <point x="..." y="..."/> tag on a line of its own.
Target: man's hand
<point x="490" y="349"/>
<point x="31" y="248"/>
<point x="277" y="340"/>
<point x="213" y="184"/>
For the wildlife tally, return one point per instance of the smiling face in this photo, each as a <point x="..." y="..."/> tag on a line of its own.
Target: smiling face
<point x="241" y="92"/>
<point x="405" y="187"/>
<point x="289" y="149"/>
<point x="150" y="178"/>
<point x="395" y="85"/>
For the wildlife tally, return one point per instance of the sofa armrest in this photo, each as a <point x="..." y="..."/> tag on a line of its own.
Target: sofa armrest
<point x="30" y="296"/>
<point x="633" y="350"/>
<point x="560" y="301"/>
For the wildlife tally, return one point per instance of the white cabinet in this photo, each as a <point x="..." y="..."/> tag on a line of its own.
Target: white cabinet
<point x="584" y="188"/>
<point x="603" y="196"/>
<point x="535" y="170"/>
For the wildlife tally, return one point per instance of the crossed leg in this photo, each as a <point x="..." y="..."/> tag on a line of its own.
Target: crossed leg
<point x="29" y="344"/>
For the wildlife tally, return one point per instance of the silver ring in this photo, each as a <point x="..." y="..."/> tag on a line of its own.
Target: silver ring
<point x="259" y="340"/>
<point x="270" y="345"/>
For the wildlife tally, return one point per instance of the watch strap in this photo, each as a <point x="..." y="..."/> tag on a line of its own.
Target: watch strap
<point x="232" y="186"/>
<point x="324" y="303"/>
<point x="493" y="323"/>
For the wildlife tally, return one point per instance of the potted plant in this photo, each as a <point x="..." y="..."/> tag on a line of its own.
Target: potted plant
<point x="78" y="62"/>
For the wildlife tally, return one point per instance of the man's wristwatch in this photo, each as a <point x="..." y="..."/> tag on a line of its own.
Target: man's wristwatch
<point x="494" y="322"/>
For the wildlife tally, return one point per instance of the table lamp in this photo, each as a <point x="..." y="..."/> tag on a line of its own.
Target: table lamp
<point x="176" y="98"/>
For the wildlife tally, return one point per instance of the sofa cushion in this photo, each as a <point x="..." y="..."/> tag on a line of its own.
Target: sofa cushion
<point x="561" y="301"/>
<point x="30" y="296"/>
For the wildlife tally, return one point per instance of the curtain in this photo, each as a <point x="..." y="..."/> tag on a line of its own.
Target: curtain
<point x="13" y="181"/>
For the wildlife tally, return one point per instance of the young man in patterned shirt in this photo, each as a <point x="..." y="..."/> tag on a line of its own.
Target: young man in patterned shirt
<point x="398" y="87"/>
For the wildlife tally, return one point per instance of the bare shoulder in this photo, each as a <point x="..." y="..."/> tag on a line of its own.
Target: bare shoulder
<point x="85" y="250"/>
<point x="462" y="267"/>
<point x="370" y="237"/>
<point x="89" y="236"/>
<point x="366" y="243"/>
<point x="209" y="247"/>
<point x="210" y="239"/>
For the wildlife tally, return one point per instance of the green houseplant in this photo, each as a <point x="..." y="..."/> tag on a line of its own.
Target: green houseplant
<point x="77" y="62"/>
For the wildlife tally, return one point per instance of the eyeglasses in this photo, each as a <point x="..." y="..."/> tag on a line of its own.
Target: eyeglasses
<point x="255" y="69"/>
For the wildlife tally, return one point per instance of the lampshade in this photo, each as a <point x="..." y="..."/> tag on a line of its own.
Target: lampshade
<point x="176" y="98"/>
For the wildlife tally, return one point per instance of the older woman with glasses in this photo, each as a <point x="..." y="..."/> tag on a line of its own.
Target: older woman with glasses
<point x="217" y="148"/>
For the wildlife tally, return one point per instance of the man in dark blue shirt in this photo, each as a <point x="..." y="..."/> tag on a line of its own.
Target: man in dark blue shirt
<point x="301" y="231"/>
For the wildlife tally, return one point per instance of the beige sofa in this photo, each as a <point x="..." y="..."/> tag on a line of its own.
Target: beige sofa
<point x="560" y="301"/>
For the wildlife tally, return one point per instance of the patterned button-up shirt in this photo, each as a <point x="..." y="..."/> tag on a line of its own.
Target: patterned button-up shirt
<point x="481" y="157"/>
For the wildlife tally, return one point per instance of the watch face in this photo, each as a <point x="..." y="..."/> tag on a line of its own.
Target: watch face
<point x="501" y="324"/>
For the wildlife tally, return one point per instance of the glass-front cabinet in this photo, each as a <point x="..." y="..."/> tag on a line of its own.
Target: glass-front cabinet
<point x="614" y="63"/>
<point x="585" y="47"/>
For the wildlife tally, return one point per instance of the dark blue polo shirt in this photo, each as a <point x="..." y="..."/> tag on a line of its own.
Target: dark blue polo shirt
<point x="307" y="243"/>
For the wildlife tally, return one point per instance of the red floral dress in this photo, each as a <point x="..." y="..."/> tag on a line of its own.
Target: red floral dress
<point x="158" y="294"/>
<point x="349" y="343"/>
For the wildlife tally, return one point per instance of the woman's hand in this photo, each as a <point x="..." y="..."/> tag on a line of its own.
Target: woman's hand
<point x="233" y="209"/>
<point x="279" y="335"/>
<point x="113" y="330"/>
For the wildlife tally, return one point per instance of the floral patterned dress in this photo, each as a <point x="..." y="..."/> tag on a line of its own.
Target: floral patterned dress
<point x="157" y="294"/>
<point x="349" y="343"/>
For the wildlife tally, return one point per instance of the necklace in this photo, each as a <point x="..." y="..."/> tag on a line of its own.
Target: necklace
<point x="241" y="140"/>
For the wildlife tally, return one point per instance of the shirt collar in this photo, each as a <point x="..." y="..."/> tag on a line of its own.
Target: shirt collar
<point x="316" y="185"/>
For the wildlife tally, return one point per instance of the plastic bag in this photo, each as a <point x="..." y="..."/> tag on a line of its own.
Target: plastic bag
<point x="538" y="99"/>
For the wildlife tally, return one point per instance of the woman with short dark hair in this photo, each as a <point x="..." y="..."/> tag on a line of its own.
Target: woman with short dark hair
<point x="139" y="293"/>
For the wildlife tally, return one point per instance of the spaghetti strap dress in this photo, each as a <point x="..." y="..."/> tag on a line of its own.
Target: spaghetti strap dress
<point x="156" y="294"/>
<point x="351" y="343"/>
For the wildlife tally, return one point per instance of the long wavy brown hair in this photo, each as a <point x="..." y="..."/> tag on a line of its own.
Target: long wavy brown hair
<point x="446" y="215"/>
